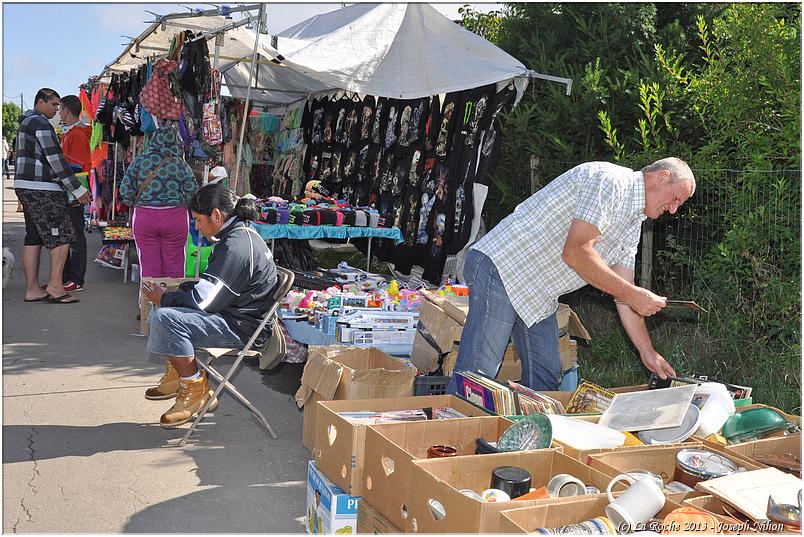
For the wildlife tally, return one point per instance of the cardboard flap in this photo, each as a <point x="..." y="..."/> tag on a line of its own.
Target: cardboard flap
<point x="321" y="375"/>
<point x="576" y="328"/>
<point x="457" y="307"/>
<point x="381" y="376"/>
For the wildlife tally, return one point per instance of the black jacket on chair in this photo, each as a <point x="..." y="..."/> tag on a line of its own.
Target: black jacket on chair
<point x="237" y="283"/>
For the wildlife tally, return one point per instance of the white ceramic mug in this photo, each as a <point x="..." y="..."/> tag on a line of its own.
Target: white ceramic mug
<point x="632" y="476"/>
<point x="638" y="504"/>
<point x="562" y="485"/>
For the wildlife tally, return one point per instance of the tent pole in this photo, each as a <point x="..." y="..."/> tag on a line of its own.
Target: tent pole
<point x="248" y="97"/>
<point x="215" y="62"/>
<point x="114" y="182"/>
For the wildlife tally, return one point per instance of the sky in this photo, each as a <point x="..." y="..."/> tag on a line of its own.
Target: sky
<point x="60" y="45"/>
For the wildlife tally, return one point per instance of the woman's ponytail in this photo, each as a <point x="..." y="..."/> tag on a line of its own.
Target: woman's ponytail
<point x="246" y="209"/>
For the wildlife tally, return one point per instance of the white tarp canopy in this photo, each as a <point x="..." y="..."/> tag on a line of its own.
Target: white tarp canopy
<point x="403" y="51"/>
<point x="390" y="50"/>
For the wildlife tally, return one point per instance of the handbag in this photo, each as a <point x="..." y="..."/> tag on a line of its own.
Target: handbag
<point x="148" y="180"/>
<point x="157" y="97"/>
<point x="213" y="133"/>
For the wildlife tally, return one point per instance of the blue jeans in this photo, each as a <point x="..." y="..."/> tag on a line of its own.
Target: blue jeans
<point x="492" y="322"/>
<point x="176" y="331"/>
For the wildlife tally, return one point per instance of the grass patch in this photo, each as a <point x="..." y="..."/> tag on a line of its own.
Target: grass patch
<point x="691" y="346"/>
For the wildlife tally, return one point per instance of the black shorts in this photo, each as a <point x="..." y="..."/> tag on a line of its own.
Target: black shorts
<point x="47" y="218"/>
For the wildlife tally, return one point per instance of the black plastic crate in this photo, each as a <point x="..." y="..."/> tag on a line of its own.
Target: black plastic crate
<point x="430" y="385"/>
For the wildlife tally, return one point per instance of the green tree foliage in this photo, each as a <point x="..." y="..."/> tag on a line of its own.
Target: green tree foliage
<point x="607" y="50"/>
<point x="717" y="85"/>
<point x="11" y="121"/>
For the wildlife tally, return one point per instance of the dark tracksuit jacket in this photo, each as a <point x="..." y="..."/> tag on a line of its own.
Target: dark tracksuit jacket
<point x="236" y="284"/>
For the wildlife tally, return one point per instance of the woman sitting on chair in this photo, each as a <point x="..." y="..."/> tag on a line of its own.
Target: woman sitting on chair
<point x="223" y="309"/>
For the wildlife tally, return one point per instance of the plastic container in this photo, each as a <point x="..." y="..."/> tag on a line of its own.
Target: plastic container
<point x="584" y="435"/>
<point x="716" y="405"/>
<point x="430" y="385"/>
<point x="673" y="435"/>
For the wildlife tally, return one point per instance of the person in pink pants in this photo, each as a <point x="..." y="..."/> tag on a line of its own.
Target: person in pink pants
<point x="160" y="234"/>
<point x="158" y="184"/>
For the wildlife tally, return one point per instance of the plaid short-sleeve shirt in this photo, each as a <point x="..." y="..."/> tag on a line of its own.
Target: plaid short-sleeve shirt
<point x="526" y="246"/>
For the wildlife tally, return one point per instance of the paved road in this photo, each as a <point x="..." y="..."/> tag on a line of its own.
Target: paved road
<point x="82" y="449"/>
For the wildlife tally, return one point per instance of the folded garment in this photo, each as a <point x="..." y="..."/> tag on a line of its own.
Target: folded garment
<point x="361" y="218"/>
<point x="311" y="217"/>
<point x="348" y="218"/>
<point x="327" y="217"/>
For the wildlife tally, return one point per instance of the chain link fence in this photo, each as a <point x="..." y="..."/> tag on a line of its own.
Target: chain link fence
<point x="673" y="246"/>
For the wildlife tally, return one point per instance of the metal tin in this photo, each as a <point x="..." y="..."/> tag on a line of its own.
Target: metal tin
<point x="696" y="465"/>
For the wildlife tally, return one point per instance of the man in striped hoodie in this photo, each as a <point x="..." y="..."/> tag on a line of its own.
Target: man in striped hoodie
<point x="41" y="177"/>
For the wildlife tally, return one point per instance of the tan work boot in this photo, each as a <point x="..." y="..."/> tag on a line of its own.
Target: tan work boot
<point x="193" y="395"/>
<point x="168" y="385"/>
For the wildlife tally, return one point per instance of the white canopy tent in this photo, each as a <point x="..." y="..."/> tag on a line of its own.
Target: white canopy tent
<point x="397" y="50"/>
<point x="389" y="50"/>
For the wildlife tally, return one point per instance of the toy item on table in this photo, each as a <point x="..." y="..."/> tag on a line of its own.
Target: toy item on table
<point x="118" y="233"/>
<point x="453" y="289"/>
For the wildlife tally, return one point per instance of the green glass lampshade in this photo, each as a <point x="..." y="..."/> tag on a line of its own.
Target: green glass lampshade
<point x="753" y="423"/>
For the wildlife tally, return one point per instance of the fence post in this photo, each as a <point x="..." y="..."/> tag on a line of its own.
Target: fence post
<point x="534" y="174"/>
<point x="646" y="272"/>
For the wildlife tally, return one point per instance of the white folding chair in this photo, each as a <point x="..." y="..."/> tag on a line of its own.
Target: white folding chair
<point x="284" y="281"/>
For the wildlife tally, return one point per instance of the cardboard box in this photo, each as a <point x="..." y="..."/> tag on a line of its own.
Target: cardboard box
<point x="443" y="319"/>
<point x="569" y="511"/>
<point x="349" y="373"/>
<point x="329" y="509"/>
<point x="660" y="460"/>
<point x="390" y="448"/>
<point x="715" y="506"/>
<point x="340" y="444"/>
<point x="167" y="284"/>
<point x="510" y="369"/>
<point x="371" y="522"/>
<point x="767" y="446"/>
<point x="437" y="484"/>
<point x="444" y="330"/>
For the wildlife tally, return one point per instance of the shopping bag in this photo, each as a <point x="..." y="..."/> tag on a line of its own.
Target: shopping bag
<point x="157" y="97"/>
<point x="111" y="256"/>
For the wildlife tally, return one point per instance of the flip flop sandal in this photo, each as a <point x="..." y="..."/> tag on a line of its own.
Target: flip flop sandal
<point x="40" y="299"/>
<point x="66" y="298"/>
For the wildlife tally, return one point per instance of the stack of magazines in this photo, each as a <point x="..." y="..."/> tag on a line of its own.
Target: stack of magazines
<point x="369" y="417"/>
<point x="511" y="399"/>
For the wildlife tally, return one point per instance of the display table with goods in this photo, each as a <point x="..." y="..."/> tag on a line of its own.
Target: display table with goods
<point x="117" y="240"/>
<point x="362" y="310"/>
<point x="323" y="219"/>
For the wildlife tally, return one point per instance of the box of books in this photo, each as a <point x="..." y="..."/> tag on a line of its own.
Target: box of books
<point x="349" y="373"/>
<point x="340" y="434"/>
<point x="446" y="489"/>
<point x="390" y="448"/>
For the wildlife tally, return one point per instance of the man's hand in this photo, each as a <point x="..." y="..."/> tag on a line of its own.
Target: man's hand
<point x="86" y="198"/>
<point x="657" y="364"/>
<point x="644" y="302"/>
<point x="153" y="292"/>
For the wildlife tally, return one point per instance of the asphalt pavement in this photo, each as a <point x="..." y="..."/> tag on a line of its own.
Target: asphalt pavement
<point x="82" y="448"/>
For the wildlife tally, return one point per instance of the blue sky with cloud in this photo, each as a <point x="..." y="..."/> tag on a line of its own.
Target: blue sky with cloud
<point x="59" y="45"/>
